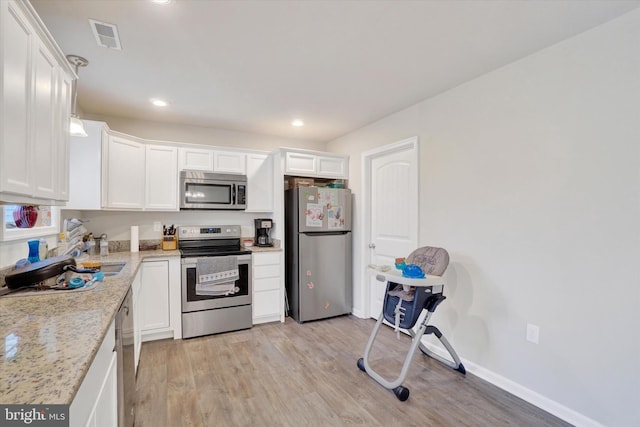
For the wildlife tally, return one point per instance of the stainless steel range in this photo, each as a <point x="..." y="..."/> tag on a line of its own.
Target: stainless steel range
<point x="216" y="280"/>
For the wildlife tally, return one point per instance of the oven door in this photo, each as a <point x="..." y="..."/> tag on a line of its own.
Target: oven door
<point x="193" y="302"/>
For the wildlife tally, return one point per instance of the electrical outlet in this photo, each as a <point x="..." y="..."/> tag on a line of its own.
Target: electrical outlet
<point x="157" y="226"/>
<point x="533" y="333"/>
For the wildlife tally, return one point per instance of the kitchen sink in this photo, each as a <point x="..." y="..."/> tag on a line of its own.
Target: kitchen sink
<point x="112" y="268"/>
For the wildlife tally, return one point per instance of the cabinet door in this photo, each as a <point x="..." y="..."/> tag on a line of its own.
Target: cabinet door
<point x="85" y="176"/>
<point x="154" y="295"/>
<point x="300" y="164"/>
<point x="15" y="145"/>
<point x="63" y="115"/>
<point x="161" y="189"/>
<point x="196" y="159"/>
<point x="124" y="180"/>
<point x="259" y="183"/>
<point x="44" y="154"/>
<point x="332" y="167"/>
<point x="105" y="412"/>
<point x="229" y="162"/>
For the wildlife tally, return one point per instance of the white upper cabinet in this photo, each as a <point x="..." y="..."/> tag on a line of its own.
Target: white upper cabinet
<point x="35" y="96"/>
<point x="229" y="162"/>
<point x="259" y="183"/>
<point x="196" y="159"/>
<point x="211" y="160"/>
<point x="332" y="167"/>
<point x="64" y="99"/>
<point x="161" y="188"/>
<point x="315" y="164"/>
<point x="44" y="138"/>
<point x="123" y="176"/>
<point x="85" y="176"/>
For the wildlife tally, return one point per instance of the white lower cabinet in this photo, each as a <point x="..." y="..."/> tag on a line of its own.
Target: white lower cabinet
<point x="155" y="295"/>
<point x="159" y="302"/>
<point x="268" y="289"/>
<point x="96" y="402"/>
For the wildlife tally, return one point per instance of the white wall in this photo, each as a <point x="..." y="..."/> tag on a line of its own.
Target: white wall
<point x="530" y="178"/>
<point x="117" y="225"/>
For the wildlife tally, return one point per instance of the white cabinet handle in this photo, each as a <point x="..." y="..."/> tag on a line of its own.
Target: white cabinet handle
<point x="372" y="245"/>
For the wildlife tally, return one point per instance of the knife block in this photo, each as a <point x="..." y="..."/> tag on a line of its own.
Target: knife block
<point x="169" y="243"/>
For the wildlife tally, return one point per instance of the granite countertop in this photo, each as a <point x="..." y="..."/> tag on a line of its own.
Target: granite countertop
<point x="50" y="340"/>
<point x="262" y="249"/>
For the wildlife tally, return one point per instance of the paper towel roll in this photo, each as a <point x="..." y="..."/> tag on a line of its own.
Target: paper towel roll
<point x="135" y="244"/>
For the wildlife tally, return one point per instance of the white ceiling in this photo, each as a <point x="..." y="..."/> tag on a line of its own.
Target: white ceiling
<point x="338" y="65"/>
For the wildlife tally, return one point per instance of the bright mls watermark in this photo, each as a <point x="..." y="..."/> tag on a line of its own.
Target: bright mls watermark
<point x="34" y="415"/>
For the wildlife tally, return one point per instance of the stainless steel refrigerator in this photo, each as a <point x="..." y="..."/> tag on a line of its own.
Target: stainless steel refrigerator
<point x="318" y="252"/>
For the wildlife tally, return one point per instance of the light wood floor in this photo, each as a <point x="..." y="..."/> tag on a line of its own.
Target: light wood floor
<point x="306" y="375"/>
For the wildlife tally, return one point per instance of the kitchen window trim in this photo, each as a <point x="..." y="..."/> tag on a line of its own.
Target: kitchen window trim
<point x="9" y="234"/>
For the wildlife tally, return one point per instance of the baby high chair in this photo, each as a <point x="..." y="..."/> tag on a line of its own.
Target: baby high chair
<point x="404" y="301"/>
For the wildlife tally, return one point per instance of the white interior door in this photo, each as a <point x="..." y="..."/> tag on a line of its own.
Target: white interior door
<point x="393" y="223"/>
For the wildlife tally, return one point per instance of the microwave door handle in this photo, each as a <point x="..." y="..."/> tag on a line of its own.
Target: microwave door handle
<point x="233" y="194"/>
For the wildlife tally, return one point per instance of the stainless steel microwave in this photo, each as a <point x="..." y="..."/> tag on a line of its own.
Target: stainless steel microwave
<point x="204" y="190"/>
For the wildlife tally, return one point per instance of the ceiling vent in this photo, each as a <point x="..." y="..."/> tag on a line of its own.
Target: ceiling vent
<point x="106" y="34"/>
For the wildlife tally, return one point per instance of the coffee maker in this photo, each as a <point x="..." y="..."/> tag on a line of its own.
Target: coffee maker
<point x="263" y="231"/>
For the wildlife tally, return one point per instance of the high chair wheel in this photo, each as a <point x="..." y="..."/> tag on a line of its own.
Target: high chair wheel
<point x="361" y="364"/>
<point x="402" y="393"/>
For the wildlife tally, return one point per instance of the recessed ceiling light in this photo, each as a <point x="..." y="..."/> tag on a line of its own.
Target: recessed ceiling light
<point x="161" y="1"/>
<point x="297" y="123"/>
<point x="159" y="103"/>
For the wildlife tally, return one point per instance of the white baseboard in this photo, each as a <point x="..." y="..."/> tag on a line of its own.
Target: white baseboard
<point x="358" y="313"/>
<point x="530" y="396"/>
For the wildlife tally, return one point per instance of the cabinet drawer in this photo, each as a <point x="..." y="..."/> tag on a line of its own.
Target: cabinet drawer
<point x="263" y="271"/>
<point x="266" y="258"/>
<point x="268" y="284"/>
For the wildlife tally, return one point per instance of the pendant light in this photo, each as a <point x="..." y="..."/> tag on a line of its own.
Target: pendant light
<point x="76" y="128"/>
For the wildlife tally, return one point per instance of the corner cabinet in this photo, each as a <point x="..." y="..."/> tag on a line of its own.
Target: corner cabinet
<point x="161" y="180"/>
<point x="36" y="105"/>
<point x="123" y="173"/>
<point x="315" y="164"/>
<point x="268" y="288"/>
<point x="137" y="175"/>
<point x="85" y="176"/>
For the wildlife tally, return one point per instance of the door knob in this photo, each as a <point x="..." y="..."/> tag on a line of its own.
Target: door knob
<point x="372" y="245"/>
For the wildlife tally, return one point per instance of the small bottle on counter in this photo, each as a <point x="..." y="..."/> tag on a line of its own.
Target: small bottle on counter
<point x="43" y="248"/>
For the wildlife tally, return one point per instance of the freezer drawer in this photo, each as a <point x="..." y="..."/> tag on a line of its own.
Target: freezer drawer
<point x="324" y="276"/>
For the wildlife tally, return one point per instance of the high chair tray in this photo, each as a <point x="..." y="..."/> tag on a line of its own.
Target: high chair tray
<point x="395" y="276"/>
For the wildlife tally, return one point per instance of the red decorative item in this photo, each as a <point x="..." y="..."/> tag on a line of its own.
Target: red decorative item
<point x="25" y="216"/>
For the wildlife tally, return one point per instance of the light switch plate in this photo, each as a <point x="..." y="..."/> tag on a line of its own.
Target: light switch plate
<point x="533" y="333"/>
<point x="157" y="226"/>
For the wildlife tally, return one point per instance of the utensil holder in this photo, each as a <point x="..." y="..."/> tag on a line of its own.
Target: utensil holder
<point x="169" y="243"/>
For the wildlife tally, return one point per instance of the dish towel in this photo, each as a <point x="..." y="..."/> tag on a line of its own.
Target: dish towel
<point x="217" y="276"/>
